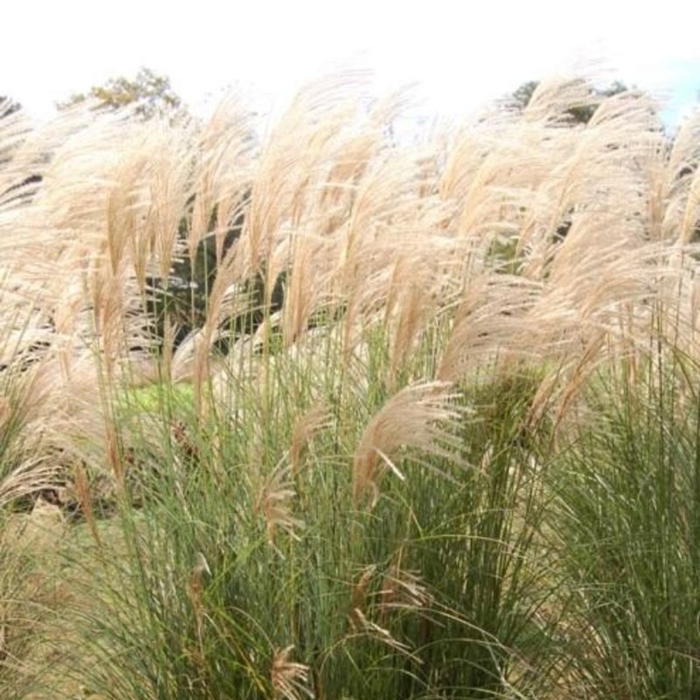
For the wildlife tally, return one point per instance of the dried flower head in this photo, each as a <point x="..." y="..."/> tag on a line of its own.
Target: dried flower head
<point x="417" y="416"/>
<point x="275" y="504"/>
<point x="289" y="679"/>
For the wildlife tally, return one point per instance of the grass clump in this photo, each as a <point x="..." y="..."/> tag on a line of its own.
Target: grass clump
<point x="412" y="439"/>
<point x="283" y="578"/>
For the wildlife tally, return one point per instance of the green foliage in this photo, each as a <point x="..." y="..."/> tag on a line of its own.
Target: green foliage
<point x="148" y="94"/>
<point x="432" y="593"/>
<point x="503" y="254"/>
<point x="627" y="516"/>
<point x="20" y="611"/>
<point x="182" y="299"/>
<point x="521" y="96"/>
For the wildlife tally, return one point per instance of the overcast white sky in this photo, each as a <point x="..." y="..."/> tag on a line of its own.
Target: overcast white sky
<point x="463" y="53"/>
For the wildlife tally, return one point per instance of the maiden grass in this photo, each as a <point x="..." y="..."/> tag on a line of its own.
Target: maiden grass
<point x="434" y="469"/>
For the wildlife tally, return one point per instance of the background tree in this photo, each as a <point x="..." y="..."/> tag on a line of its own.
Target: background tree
<point x="521" y="97"/>
<point x="15" y="186"/>
<point x="578" y="114"/>
<point x="8" y="106"/>
<point x="147" y="94"/>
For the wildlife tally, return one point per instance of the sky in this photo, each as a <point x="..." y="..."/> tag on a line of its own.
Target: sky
<point x="460" y="54"/>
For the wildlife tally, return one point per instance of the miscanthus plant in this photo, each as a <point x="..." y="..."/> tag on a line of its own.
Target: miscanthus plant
<point x="343" y="472"/>
<point x="322" y="538"/>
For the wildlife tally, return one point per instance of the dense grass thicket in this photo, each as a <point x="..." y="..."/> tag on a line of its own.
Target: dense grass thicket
<point x="319" y="414"/>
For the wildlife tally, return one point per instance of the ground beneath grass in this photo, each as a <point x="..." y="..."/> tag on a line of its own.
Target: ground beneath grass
<point x="57" y="564"/>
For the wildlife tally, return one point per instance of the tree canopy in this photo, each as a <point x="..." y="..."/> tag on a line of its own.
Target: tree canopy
<point x="148" y="94"/>
<point x="579" y="114"/>
<point x="8" y="106"/>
